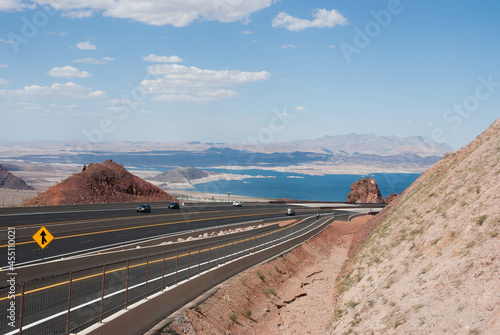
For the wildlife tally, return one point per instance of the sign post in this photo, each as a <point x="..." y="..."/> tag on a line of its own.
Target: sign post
<point x="43" y="237"/>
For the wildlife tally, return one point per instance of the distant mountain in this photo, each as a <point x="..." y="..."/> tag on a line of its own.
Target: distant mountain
<point x="350" y="144"/>
<point x="181" y="175"/>
<point x="8" y="180"/>
<point x="340" y="154"/>
<point x="107" y="182"/>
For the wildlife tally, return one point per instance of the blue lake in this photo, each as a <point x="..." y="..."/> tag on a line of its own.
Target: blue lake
<point x="303" y="187"/>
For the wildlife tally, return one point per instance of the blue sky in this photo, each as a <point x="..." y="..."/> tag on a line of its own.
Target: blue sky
<point x="242" y="71"/>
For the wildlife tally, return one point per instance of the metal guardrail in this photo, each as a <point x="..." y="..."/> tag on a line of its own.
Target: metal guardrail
<point x="70" y="302"/>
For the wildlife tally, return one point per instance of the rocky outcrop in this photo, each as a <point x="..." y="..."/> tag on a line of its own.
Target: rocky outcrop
<point x="8" y="180"/>
<point x="390" y="198"/>
<point x="181" y="175"/>
<point x="108" y="182"/>
<point x="365" y="191"/>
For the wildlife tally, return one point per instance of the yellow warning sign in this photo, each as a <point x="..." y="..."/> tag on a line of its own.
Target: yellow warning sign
<point x="43" y="237"/>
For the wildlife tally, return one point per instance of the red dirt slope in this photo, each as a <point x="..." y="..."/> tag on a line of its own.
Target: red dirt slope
<point x="108" y="182"/>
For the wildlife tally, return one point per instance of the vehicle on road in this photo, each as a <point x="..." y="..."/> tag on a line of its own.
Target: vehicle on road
<point x="174" y="205"/>
<point x="290" y="211"/>
<point x="145" y="208"/>
<point x="237" y="204"/>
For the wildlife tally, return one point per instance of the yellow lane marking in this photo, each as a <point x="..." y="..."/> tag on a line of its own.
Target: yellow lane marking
<point x="143" y="226"/>
<point x="101" y="219"/>
<point x="152" y="262"/>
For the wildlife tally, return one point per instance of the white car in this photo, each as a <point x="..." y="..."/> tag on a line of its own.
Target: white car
<point x="237" y="204"/>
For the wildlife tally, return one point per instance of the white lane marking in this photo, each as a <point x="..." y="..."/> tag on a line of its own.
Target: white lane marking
<point x="137" y="285"/>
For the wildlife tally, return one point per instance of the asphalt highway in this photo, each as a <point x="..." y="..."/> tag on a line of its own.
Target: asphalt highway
<point x="97" y="227"/>
<point x="46" y="300"/>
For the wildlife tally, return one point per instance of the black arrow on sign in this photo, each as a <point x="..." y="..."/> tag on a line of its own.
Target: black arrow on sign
<point x="42" y="234"/>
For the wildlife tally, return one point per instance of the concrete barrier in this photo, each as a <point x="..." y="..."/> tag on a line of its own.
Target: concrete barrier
<point x="144" y="314"/>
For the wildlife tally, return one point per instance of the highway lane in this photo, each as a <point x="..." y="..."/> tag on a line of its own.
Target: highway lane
<point x="85" y="235"/>
<point x="46" y="301"/>
<point x="10" y="217"/>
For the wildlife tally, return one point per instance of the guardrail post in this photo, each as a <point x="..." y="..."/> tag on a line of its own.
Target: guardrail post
<point x="176" y="266"/>
<point x="199" y="258"/>
<point x="102" y="291"/>
<point x="21" y="310"/>
<point x="126" y="284"/>
<point x="189" y="260"/>
<point x="147" y="270"/>
<point x="208" y="261"/>
<point x="163" y="272"/>
<point x="232" y="243"/>
<point x="217" y="264"/>
<point x="69" y="302"/>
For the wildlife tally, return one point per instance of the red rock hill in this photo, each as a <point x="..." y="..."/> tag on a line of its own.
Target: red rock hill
<point x="108" y="182"/>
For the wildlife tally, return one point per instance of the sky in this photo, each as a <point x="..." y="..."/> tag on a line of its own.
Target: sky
<point x="247" y="71"/>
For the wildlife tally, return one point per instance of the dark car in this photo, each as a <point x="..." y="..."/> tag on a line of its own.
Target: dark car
<point x="290" y="211"/>
<point x="174" y="205"/>
<point x="144" y="208"/>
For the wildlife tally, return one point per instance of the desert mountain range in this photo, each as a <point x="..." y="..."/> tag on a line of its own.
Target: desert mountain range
<point x="343" y="154"/>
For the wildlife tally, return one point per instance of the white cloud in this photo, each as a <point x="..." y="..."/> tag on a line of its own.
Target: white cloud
<point x="289" y="46"/>
<point x="322" y="19"/>
<point x="191" y="84"/>
<point x="96" y="94"/>
<point x="162" y="59"/>
<point x="117" y="105"/>
<point x="4" y="82"/>
<point x="86" y="46"/>
<point x="77" y="14"/>
<point x="5" y="41"/>
<point x="68" y="72"/>
<point x="60" y="33"/>
<point x="332" y="46"/>
<point x="300" y="108"/>
<point x="11" y="5"/>
<point x="246" y="32"/>
<point x="145" y="111"/>
<point x="178" y="13"/>
<point x="4" y="66"/>
<point x="90" y="60"/>
<point x="58" y="91"/>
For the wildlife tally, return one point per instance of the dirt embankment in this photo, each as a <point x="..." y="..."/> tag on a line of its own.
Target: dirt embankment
<point x="429" y="262"/>
<point x="289" y="295"/>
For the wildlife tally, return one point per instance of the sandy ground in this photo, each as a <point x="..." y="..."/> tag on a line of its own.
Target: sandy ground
<point x="290" y="295"/>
